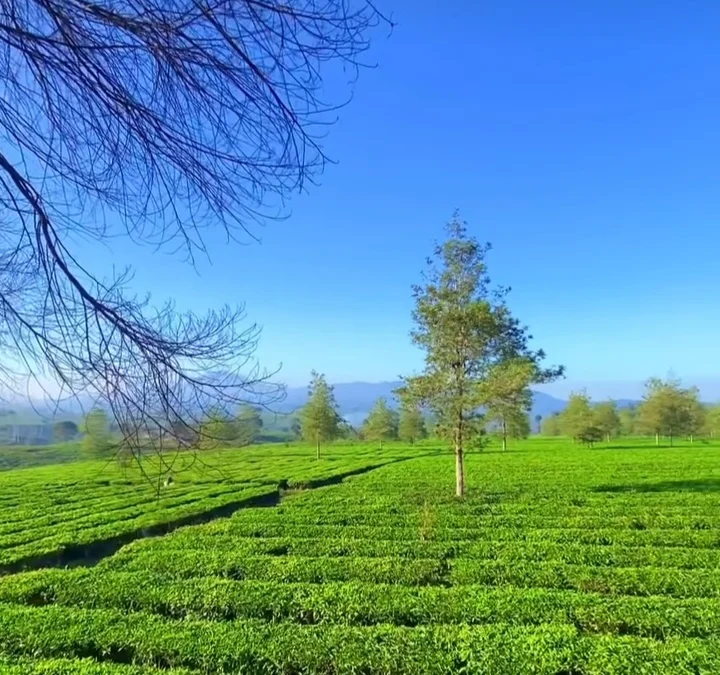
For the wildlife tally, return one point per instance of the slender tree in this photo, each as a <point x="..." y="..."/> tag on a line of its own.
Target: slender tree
<point x="411" y="426"/>
<point x="607" y="419"/>
<point x="319" y="419"/>
<point x="97" y="439"/>
<point x="381" y="423"/>
<point x="697" y="414"/>
<point x="509" y="398"/>
<point x="466" y="331"/>
<point x="248" y="425"/>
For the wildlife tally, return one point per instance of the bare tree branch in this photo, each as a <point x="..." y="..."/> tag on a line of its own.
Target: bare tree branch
<point x="153" y="119"/>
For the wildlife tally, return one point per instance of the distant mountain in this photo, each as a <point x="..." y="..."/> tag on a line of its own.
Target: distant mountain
<point x="356" y="398"/>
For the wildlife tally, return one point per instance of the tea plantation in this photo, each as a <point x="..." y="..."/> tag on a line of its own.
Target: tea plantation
<point x="562" y="560"/>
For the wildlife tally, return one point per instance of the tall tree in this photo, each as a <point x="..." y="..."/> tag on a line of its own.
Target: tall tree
<point x="665" y="409"/>
<point x="381" y="423"/>
<point x="411" y="426"/>
<point x="607" y="419"/>
<point x="509" y="398"/>
<point x="97" y="439"/>
<point x="466" y="331"/>
<point x="552" y="425"/>
<point x="166" y="123"/>
<point x="697" y="414"/>
<point x="319" y="418"/>
<point x="627" y="417"/>
<point x="248" y="425"/>
<point x="578" y="418"/>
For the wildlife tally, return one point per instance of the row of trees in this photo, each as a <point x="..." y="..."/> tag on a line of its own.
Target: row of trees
<point x="321" y="422"/>
<point x="667" y="410"/>
<point x="219" y="430"/>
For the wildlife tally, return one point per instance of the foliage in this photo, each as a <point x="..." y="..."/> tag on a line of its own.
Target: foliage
<point x="607" y="419"/>
<point x="552" y="425"/>
<point x="65" y="431"/>
<point x="467" y="333"/>
<point x="560" y="560"/>
<point x="97" y="439"/>
<point x="627" y="418"/>
<point x="411" y="424"/>
<point x="319" y="418"/>
<point x="248" y="425"/>
<point x="381" y="423"/>
<point x="218" y="431"/>
<point x="578" y="417"/>
<point x="667" y="409"/>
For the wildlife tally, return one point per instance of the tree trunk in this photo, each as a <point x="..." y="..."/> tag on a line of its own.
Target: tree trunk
<point x="317" y="449"/>
<point x="607" y="438"/>
<point x="691" y="439"/>
<point x="504" y="435"/>
<point x="459" y="472"/>
<point x="671" y="440"/>
<point x="657" y="439"/>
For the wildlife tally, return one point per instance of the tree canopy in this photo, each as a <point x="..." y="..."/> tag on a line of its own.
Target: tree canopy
<point x="381" y="423"/>
<point x="319" y="418"/>
<point x="468" y="333"/>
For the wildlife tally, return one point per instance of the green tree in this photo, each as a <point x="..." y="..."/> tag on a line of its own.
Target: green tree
<point x="627" y="420"/>
<point x="65" y="431"/>
<point x="712" y="421"/>
<point x="466" y="331"/>
<point x="665" y="409"/>
<point x="218" y="431"/>
<point x="319" y="419"/>
<point x="248" y="425"/>
<point x="552" y="425"/>
<point x="697" y="414"/>
<point x="411" y="426"/>
<point x="591" y="435"/>
<point x="578" y="418"/>
<point x="509" y="398"/>
<point x="97" y="439"/>
<point x="381" y="423"/>
<point x="607" y="419"/>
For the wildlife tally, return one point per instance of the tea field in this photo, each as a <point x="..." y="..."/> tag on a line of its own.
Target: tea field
<point x="562" y="560"/>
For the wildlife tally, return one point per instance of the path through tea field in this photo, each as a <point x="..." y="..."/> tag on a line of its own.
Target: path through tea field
<point x="561" y="561"/>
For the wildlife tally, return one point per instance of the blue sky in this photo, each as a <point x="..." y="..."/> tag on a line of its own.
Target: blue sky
<point x="581" y="139"/>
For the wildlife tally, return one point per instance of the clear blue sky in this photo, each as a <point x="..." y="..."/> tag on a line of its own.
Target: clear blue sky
<point x="581" y="138"/>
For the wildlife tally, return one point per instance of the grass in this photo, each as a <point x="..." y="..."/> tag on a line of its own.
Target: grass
<point x="561" y="560"/>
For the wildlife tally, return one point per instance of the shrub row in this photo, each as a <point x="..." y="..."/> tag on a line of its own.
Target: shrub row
<point x="533" y="550"/>
<point x="562" y="535"/>
<point x="26" y="666"/>
<point x="421" y="571"/>
<point x="364" y="604"/>
<point x="261" y="647"/>
<point x="63" y="537"/>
